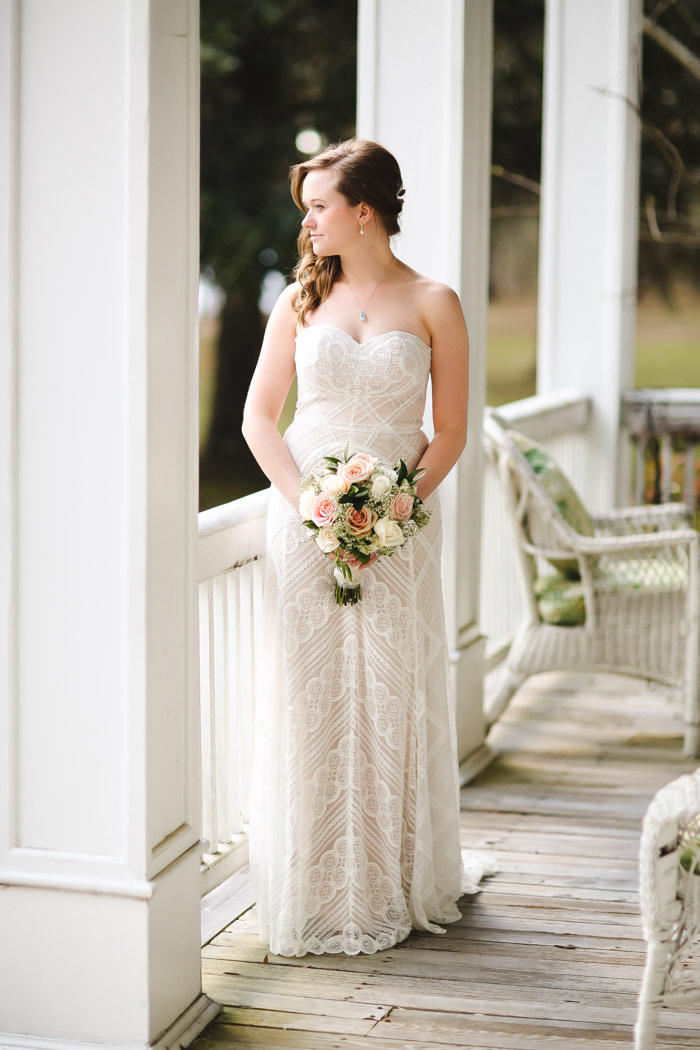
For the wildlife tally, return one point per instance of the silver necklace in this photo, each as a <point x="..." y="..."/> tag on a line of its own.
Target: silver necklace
<point x="363" y="315"/>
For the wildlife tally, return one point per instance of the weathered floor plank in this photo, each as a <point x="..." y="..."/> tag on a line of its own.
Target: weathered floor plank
<point x="549" y="954"/>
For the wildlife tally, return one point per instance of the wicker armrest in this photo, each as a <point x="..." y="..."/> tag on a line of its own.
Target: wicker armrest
<point x="640" y="519"/>
<point x="595" y="546"/>
<point x="636" y="543"/>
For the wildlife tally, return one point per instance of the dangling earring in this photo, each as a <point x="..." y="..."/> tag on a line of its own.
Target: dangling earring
<point x="362" y="229"/>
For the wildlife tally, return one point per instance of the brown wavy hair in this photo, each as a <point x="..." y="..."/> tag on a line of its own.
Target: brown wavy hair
<point x="365" y="172"/>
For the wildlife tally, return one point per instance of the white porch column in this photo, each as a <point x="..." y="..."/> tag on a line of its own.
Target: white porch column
<point x="588" y="227"/>
<point x="99" y="772"/>
<point x="424" y="92"/>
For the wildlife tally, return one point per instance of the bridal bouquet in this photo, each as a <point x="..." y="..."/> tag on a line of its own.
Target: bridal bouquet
<point x="361" y="508"/>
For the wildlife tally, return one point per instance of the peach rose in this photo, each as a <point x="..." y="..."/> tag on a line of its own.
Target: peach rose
<point x="360" y="522"/>
<point x="402" y="506"/>
<point x="358" y="468"/>
<point x="323" y="509"/>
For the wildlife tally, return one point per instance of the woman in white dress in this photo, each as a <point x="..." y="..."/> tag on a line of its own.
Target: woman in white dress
<point x="354" y="827"/>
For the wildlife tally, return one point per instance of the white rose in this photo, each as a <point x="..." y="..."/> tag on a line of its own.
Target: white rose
<point x="326" y="540"/>
<point x="332" y="484"/>
<point x="305" y="500"/>
<point x="380" y="486"/>
<point x="389" y="532"/>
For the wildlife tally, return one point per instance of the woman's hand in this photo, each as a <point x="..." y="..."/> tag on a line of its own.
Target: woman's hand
<point x="352" y="561"/>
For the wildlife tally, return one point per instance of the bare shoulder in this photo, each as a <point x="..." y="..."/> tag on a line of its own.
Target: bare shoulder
<point x="440" y="307"/>
<point x="283" y="316"/>
<point x="286" y="298"/>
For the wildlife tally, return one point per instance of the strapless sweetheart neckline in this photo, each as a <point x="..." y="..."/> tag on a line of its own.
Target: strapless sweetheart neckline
<point x="372" y="338"/>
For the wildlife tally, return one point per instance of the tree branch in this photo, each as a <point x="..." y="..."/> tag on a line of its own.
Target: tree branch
<point x="517" y="180"/>
<point x="674" y="47"/>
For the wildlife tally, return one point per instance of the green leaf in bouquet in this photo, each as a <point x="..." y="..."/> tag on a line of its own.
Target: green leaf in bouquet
<point x="361" y="556"/>
<point x="402" y="472"/>
<point x="332" y="459"/>
<point x="415" y="474"/>
<point x="356" y="495"/>
<point x="346" y="453"/>
<point x="311" y="525"/>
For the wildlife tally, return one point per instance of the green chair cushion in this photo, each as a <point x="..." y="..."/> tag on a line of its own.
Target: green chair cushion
<point x="560" y="600"/>
<point x="560" y="491"/>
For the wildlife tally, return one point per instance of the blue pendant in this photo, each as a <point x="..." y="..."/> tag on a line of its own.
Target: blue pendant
<point x="363" y="315"/>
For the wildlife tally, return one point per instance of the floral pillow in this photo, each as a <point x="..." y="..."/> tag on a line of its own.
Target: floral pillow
<point x="560" y="601"/>
<point x="560" y="491"/>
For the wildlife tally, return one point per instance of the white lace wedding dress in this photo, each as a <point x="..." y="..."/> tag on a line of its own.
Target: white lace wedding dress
<point x="354" y="828"/>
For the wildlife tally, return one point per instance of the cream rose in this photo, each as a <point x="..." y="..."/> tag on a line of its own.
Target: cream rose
<point x="323" y="509"/>
<point x="402" y="506"/>
<point x="326" y="540"/>
<point x="358" y="468"/>
<point x="305" y="503"/>
<point x="333" y="485"/>
<point x="380" y="486"/>
<point x="361" y="522"/>
<point x="389" y="532"/>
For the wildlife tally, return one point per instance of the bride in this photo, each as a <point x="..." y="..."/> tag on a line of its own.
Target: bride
<point x="354" y="823"/>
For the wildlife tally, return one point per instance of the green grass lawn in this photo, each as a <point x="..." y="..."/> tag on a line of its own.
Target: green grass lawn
<point x="667" y="346"/>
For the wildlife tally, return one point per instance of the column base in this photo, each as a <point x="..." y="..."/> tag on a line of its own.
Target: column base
<point x="181" y="1033"/>
<point x="474" y="763"/>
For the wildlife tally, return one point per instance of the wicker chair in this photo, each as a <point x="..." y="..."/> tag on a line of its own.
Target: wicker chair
<point x="632" y="583"/>
<point x="669" y="883"/>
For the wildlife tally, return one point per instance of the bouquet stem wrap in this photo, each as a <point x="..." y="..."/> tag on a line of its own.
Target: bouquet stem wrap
<point x="347" y="589"/>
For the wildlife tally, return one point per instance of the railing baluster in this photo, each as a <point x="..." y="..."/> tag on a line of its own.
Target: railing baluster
<point x="640" y="447"/>
<point x="689" y="475"/>
<point x="209" y="722"/>
<point x="221" y="707"/>
<point x="666" y="467"/>
<point x="247" y="684"/>
<point x="234" y="650"/>
<point x="204" y="668"/>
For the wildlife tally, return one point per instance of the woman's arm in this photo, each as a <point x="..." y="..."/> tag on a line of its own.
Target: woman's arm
<point x="266" y="396"/>
<point x="450" y="379"/>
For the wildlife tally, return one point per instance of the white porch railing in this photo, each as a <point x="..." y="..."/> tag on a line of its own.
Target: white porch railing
<point x="558" y="421"/>
<point x="663" y="427"/>
<point x="231" y="569"/>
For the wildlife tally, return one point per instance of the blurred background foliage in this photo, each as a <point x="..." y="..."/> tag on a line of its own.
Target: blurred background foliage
<point x="272" y="69"/>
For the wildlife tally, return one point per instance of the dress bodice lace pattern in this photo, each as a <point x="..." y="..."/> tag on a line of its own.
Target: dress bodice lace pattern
<point x="354" y="825"/>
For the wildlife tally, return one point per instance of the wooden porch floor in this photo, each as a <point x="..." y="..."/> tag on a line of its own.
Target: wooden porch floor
<point x="549" y="954"/>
